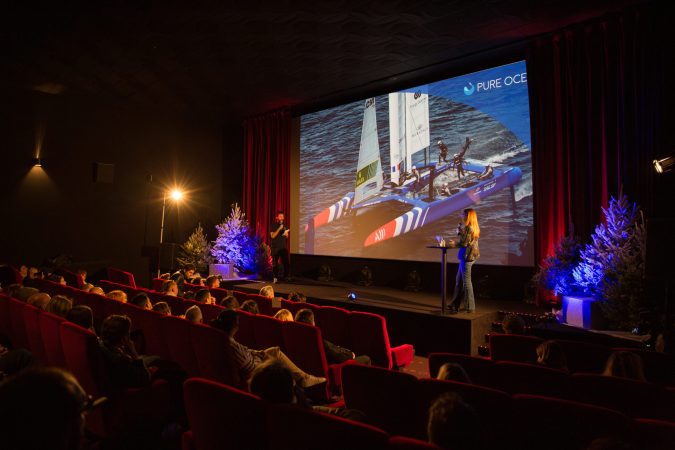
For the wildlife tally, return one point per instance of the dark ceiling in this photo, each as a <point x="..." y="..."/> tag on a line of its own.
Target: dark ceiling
<point x="235" y="59"/>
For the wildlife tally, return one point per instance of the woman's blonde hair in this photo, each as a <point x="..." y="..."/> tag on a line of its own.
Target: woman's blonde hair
<point x="472" y="221"/>
<point x="284" y="315"/>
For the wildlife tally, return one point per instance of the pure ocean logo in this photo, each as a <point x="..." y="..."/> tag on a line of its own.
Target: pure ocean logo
<point x="469" y="90"/>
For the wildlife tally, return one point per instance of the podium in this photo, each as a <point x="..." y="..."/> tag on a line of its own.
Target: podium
<point x="444" y="273"/>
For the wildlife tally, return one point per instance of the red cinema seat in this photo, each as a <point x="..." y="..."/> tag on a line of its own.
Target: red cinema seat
<point x="543" y="422"/>
<point x="659" y="367"/>
<point x="245" y="335"/>
<point x="513" y="347"/>
<point x="17" y="326"/>
<point x="334" y="324"/>
<point x="523" y="378"/>
<point x="218" y="294"/>
<point x="267" y="332"/>
<point x="50" y="325"/>
<point x="293" y="307"/>
<point x="387" y="397"/>
<point x="5" y="326"/>
<point x="121" y="277"/>
<point x="221" y="417"/>
<point x="304" y="346"/>
<point x="654" y="434"/>
<point x="176" y="332"/>
<point x="150" y="323"/>
<point x="406" y="443"/>
<point x="31" y="320"/>
<point x="71" y="278"/>
<point x="210" y="312"/>
<point x="584" y="357"/>
<point x="157" y="284"/>
<point x="178" y="305"/>
<point x="369" y="336"/>
<point x="290" y="427"/>
<point x="476" y="367"/>
<point x="264" y="304"/>
<point x="211" y="348"/>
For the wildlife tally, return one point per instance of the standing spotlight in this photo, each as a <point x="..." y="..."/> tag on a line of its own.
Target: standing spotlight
<point x="664" y="165"/>
<point x="176" y="195"/>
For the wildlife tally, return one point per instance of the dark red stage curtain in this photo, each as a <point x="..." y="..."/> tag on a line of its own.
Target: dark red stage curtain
<point x="267" y="156"/>
<point x="593" y="100"/>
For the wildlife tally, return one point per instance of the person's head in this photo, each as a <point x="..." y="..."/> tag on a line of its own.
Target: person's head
<point x="250" y="306"/>
<point x="194" y="314"/>
<point x="440" y="142"/>
<point x="625" y="365"/>
<point x="81" y="315"/>
<point x="212" y="282"/>
<point x="23" y="271"/>
<point x="453" y="372"/>
<point x="272" y="382"/>
<point x="204" y="296"/>
<point x="86" y="287"/>
<point x="115" y="329"/>
<point x="11" y="289"/>
<point x="162" y="307"/>
<point x="39" y="300"/>
<point x="471" y="220"/>
<point x="297" y="297"/>
<point x="141" y="300"/>
<point x="170" y="287"/>
<point x="230" y="302"/>
<point x="305" y="315"/>
<point x="551" y="354"/>
<point x="42" y="408"/>
<point x="118" y="295"/>
<point x="267" y="291"/>
<point x="96" y="290"/>
<point x="513" y="324"/>
<point x="56" y="279"/>
<point x="24" y="292"/>
<point x="83" y="274"/>
<point x="280" y="216"/>
<point x="284" y="315"/>
<point x="59" y="305"/>
<point x="227" y="321"/>
<point x="452" y="423"/>
<point x="189" y="270"/>
<point x="33" y="272"/>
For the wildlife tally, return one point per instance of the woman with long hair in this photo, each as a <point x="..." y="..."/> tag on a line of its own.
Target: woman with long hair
<point x="468" y="232"/>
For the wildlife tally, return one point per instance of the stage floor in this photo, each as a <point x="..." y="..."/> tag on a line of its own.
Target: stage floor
<point x="412" y="317"/>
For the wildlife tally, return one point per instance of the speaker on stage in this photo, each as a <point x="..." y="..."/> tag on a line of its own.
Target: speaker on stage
<point x="659" y="260"/>
<point x="168" y="252"/>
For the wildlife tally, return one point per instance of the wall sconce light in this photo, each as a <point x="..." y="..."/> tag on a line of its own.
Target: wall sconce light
<point x="664" y="165"/>
<point x="37" y="162"/>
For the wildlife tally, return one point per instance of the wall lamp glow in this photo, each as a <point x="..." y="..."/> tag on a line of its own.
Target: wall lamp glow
<point x="37" y="162"/>
<point x="664" y="165"/>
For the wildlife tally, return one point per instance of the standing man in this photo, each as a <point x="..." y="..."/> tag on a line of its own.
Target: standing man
<point x="442" y="151"/>
<point x="279" y="245"/>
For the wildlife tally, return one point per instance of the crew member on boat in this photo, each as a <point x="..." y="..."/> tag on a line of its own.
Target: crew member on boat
<point x="442" y="151"/>
<point x="458" y="158"/>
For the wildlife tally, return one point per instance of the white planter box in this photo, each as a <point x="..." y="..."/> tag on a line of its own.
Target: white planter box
<point x="224" y="270"/>
<point x="582" y="312"/>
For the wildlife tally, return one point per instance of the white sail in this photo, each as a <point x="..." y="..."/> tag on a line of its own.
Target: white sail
<point x="396" y="134"/>
<point x="369" y="170"/>
<point x="408" y="128"/>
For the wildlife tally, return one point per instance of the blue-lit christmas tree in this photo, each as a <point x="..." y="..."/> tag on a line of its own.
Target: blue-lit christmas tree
<point x="234" y="243"/>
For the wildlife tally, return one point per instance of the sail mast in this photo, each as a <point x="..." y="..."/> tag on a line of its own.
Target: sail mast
<point x="369" y="179"/>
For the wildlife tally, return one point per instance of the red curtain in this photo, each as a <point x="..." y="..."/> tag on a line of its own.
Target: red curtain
<point x="592" y="98"/>
<point x="267" y="158"/>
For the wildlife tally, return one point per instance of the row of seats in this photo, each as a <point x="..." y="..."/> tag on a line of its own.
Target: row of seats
<point x="398" y="403"/>
<point x="581" y="356"/>
<point x="363" y="333"/>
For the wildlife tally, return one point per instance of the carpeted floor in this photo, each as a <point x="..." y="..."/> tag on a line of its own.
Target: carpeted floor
<point x="419" y="367"/>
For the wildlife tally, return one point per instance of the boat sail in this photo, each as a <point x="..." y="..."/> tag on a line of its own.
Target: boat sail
<point x="408" y="129"/>
<point x="369" y="179"/>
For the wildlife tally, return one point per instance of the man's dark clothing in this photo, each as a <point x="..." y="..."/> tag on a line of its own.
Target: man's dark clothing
<point x="124" y="371"/>
<point x="337" y="355"/>
<point x="280" y="251"/>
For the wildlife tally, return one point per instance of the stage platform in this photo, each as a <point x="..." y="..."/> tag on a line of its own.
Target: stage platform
<point x="412" y="317"/>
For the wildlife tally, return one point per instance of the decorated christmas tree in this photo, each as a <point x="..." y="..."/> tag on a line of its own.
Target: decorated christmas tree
<point x="196" y="250"/>
<point x="612" y="265"/>
<point x="556" y="272"/>
<point x="234" y="243"/>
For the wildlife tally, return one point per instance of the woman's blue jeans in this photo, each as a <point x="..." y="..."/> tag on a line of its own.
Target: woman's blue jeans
<point x="463" y="283"/>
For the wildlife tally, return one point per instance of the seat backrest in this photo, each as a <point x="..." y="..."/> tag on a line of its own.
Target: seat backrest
<point x="264" y="304"/>
<point x="369" y="337"/>
<point x="524" y="378"/>
<point x="334" y="323"/>
<point x="387" y="397"/>
<point x="31" y="319"/>
<point x="121" y="277"/>
<point x="211" y="348"/>
<point x="303" y="344"/>
<point x="17" y="326"/>
<point x="561" y="424"/>
<point x="176" y="332"/>
<point x="293" y="307"/>
<point x="156" y="284"/>
<point x="654" y="434"/>
<point x="210" y="312"/>
<point x="319" y="431"/>
<point x="245" y="335"/>
<point x="584" y="357"/>
<point x="514" y="347"/>
<point x="267" y="332"/>
<point x="50" y="325"/>
<point x="5" y="324"/>
<point x="83" y="357"/>
<point x="150" y="322"/>
<point x="476" y="367"/>
<point x="659" y="367"/>
<point x="178" y="305"/>
<point x="72" y="279"/>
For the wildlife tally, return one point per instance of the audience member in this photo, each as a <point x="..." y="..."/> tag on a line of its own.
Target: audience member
<point x="230" y="302"/>
<point x="86" y="287"/>
<point x="39" y="300"/>
<point x="250" y="306"/>
<point x="284" y="315"/>
<point x="83" y="274"/>
<point x="247" y="360"/>
<point x="453" y="424"/>
<point x="551" y="354"/>
<point x="96" y="290"/>
<point x="212" y="282"/>
<point x="513" y="324"/>
<point x="297" y="297"/>
<point x="170" y="288"/>
<point x="12" y="360"/>
<point x="23" y="271"/>
<point x="55" y="278"/>
<point x="59" y="305"/>
<point x="118" y="295"/>
<point x="334" y="353"/>
<point x="162" y="307"/>
<point x="24" y="292"/>
<point x="453" y="372"/>
<point x="196" y="280"/>
<point x="625" y="365"/>
<point x="125" y="366"/>
<point x="42" y="408"/>
<point x="12" y="289"/>
<point x="204" y="296"/>
<point x="182" y="275"/>
<point x="83" y="316"/>
<point x="194" y="314"/>
<point x="267" y="291"/>
<point x="141" y="300"/>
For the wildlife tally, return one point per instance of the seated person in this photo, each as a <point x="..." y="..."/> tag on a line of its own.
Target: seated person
<point x="297" y="297"/>
<point x="453" y="424"/>
<point x="170" y="288"/>
<point x="39" y="300"/>
<point x="247" y="360"/>
<point x="453" y="372"/>
<point x="24" y="292"/>
<point x="194" y="314"/>
<point x="212" y="282"/>
<point x="284" y="315"/>
<point x="267" y="291"/>
<point x="230" y="302"/>
<point x="625" y="365"/>
<point x="162" y="307"/>
<point x="56" y="279"/>
<point x="96" y="290"/>
<point x="86" y="287"/>
<point x="551" y="354"/>
<point x="184" y="274"/>
<point x="118" y="295"/>
<point x="250" y="306"/>
<point x="141" y="300"/>
<point x="83" y="316"/>
<point x="59" y="305"/>
<point x="487" y="173"/>
<point x="125" y="366"/>
<point x="334" y="353"/>
<point x="204" y="296"/>
<point x="13" y="361"/>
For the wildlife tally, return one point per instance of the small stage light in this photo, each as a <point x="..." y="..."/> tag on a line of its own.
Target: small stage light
<point x="664" y="165"/>
<point x="352" y="296"/>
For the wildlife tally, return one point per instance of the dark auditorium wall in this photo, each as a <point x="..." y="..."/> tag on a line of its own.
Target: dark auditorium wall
<point x="59" y="209"/>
